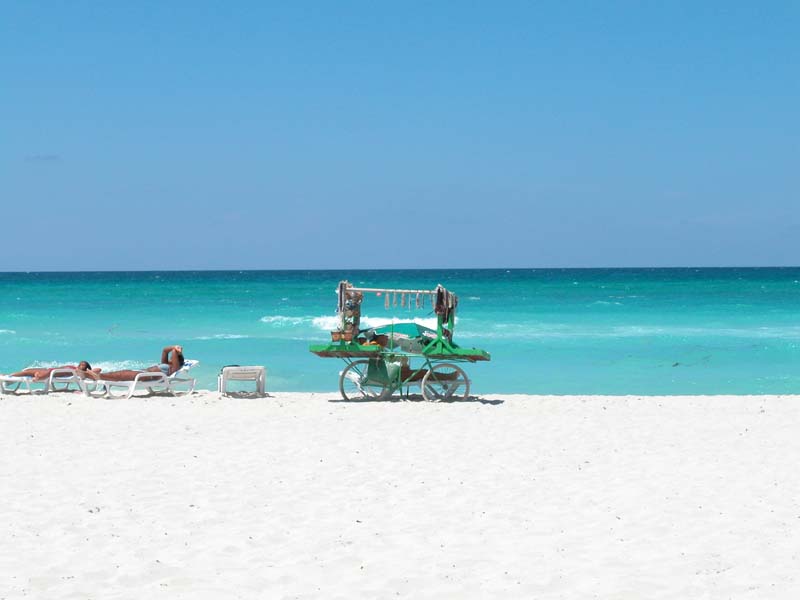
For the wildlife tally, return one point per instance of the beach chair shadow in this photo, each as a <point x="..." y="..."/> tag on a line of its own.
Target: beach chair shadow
<point x="246" y="395"/>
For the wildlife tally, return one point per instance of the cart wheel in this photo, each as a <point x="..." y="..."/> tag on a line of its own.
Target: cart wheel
<point x="445" y="382"/>
<point x="353" y="385"/>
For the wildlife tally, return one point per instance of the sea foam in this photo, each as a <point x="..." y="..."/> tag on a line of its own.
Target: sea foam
<point x="331" y="322"/>
<point x="111" y="365"/>
<point x="282" y="321"/>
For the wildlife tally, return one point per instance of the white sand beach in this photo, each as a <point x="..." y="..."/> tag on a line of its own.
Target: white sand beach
<point x="304" y="496"/>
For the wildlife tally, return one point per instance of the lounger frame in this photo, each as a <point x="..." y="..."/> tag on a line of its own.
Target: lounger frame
<point x="153" y="382"/>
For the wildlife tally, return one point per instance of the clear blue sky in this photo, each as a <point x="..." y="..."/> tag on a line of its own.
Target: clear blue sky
<point x="172" y="135"/>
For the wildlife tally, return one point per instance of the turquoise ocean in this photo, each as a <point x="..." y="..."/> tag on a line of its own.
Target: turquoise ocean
<point x="550" y="331"/>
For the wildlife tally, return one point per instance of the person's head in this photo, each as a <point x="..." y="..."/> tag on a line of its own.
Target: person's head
<point x="179" y="353"/>
<point x="84" y="366"/>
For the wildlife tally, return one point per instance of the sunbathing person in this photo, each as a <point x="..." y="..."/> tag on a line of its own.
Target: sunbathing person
<point x="42" y="373"/>
<point x="124" y="375"/>
<point x="171" y="362"/>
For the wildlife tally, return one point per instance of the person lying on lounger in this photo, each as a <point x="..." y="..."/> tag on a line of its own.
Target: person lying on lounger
<point x="171" y="362"/>
<point x="42" y="373"/>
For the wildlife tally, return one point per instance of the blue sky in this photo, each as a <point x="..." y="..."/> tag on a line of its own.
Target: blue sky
<point x="181" y="135"/>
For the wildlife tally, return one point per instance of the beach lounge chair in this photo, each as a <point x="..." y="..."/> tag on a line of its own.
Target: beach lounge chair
<point x="180" y="383"/>
<point x="256" y="374"/>
<point x="59" y="380"/>
<point x="11" y="385"/>
<point x="177" y="384"/>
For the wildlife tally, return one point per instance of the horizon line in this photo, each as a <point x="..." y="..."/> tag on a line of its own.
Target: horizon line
<point x="298" y="269"/>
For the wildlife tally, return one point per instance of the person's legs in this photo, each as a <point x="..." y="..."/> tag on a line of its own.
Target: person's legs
<point x="25" y="373"/>
<point x="126" y="375"/>
<point x="37" y="374"/>
<point x="42" y="374"/>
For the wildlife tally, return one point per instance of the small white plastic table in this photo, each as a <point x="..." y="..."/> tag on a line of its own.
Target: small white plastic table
<point x="257" y="374"/>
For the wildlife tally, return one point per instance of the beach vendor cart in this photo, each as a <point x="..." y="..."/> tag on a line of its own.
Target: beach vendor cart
<point x="403" y="354"/>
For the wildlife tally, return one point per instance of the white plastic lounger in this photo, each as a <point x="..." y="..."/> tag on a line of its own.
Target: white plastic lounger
<point x="59" y="380"/>
<point x="150" y="381"/>
<point x="257" y="374"/>
<point x="180" y="383"/>
<point x="11" y="385"/>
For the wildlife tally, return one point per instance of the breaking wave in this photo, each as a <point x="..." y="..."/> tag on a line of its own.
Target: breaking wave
<point x="110" y="365"/>
<point x="325" y="323"/>
<point x="531" y="331"/>
<point x="331" y="322"/>
<point x="305" y="327"/>
<point x="122" y="365"/>
<point x="281" y="321"/>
